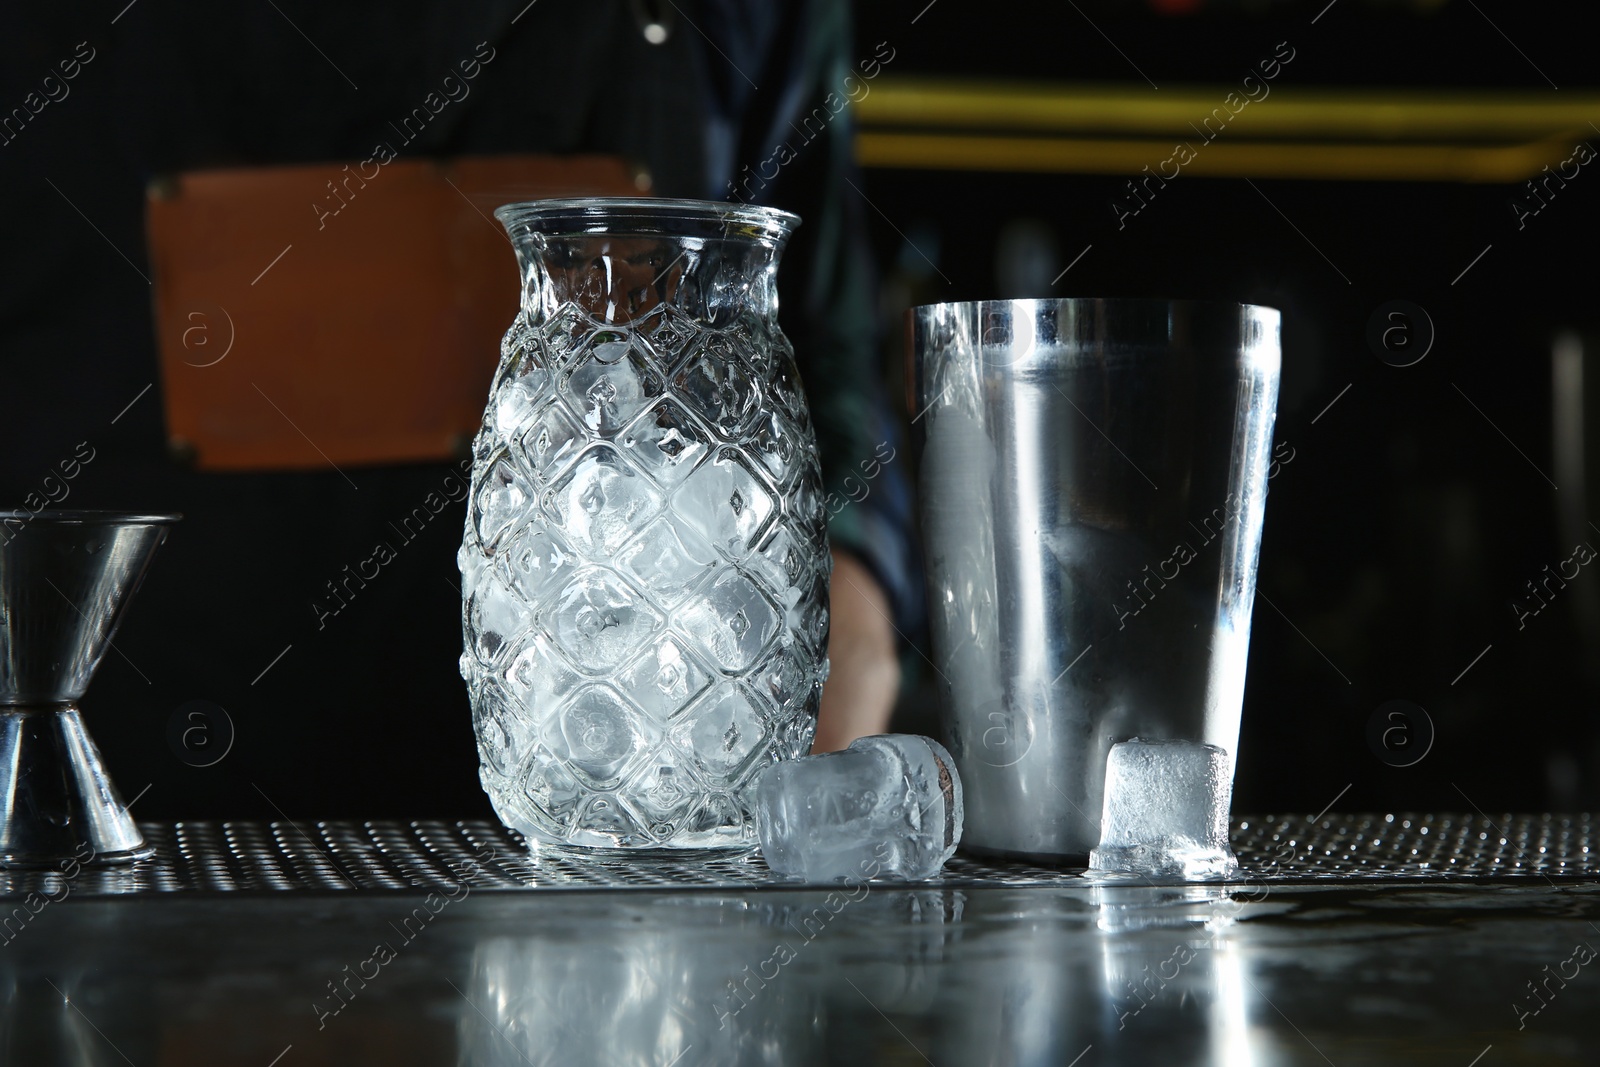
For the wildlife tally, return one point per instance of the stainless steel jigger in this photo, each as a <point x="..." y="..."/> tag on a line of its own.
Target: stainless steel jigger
<point x="1093" y="483"/>
<point x="65" y="581"/>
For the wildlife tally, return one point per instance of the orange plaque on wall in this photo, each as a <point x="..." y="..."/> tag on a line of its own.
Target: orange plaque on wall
<point x="341" y="314"/>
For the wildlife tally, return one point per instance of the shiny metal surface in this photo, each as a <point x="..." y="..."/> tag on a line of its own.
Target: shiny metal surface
<point x="1093" y="482"/>
<point x="340" y="855"/>
<point x="61" y="809"/>
<point x="1368" y="973"/>
<point x="66" y="578"/>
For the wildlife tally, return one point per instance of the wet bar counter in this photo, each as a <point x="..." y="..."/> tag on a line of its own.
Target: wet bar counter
<point x="1405" y="939"/>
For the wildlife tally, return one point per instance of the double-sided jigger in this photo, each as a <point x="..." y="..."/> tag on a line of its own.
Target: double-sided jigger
<point x="66" y="578"/>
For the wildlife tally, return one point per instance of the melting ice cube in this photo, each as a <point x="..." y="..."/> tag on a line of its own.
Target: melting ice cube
<point x="886" y="807"/>
<point x="1166" y="811"/>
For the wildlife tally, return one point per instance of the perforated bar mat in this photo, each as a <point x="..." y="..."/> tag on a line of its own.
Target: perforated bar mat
<point x="435" y="854"/>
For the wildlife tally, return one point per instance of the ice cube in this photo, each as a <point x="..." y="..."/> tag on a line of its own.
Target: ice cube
<point x="886" y="807"/>
<point x="1166" y="811"/>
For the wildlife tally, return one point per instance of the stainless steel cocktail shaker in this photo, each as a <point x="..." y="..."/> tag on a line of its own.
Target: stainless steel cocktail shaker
<point x="1093" y="478"/>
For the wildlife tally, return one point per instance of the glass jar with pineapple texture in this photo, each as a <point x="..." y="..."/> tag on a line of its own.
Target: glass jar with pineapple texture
<point x="644" y="567"/>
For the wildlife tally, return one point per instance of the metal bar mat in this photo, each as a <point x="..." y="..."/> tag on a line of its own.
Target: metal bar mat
<point x="437" y="854"/>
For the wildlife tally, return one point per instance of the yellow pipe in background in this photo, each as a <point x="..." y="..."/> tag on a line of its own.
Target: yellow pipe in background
<point x="1291" y="132"/>
<point x="1217" y="159"/>
<point x="1287" y="110"/>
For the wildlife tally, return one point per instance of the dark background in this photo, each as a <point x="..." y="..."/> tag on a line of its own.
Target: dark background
<point x="1395" y="541"/>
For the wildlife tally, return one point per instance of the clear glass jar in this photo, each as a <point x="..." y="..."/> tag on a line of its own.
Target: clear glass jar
<point x="645" y="567"/>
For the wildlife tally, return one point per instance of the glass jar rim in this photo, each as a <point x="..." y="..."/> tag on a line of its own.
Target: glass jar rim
<point x="646" y="215"/>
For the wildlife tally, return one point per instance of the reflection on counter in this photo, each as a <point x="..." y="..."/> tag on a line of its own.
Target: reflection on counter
<point x="756" y="987"/>
<point x="1185" y="970"/>
<point x="773" y="982"/>
<point x="1090" y="975"/>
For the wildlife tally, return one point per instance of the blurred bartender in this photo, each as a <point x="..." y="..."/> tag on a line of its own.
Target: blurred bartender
<point x="716" y="99"/>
